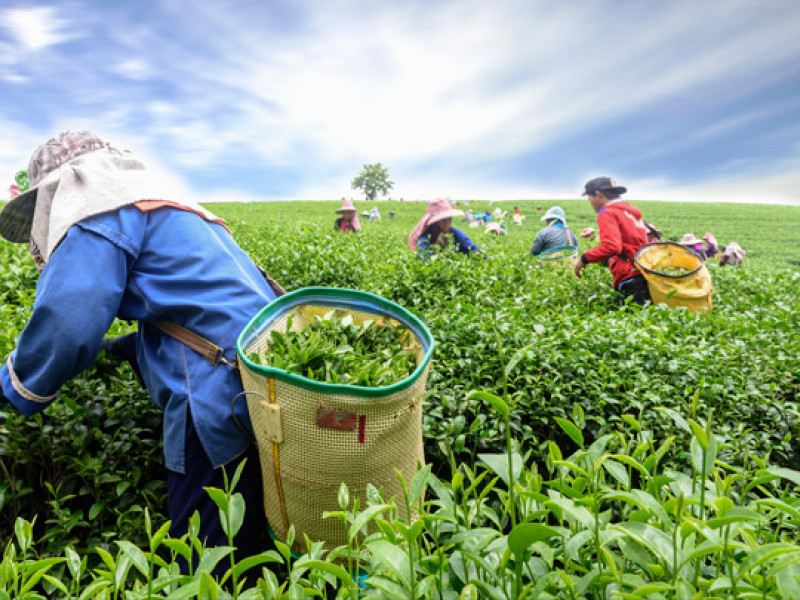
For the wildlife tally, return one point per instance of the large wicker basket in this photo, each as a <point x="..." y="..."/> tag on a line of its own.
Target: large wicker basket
<point x="313" y="436"/>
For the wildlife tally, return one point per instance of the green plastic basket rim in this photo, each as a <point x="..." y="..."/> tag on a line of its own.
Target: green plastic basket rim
<point x="335" y="298"/>
<point x="647" y="247"/>
<point x="547" y="254"/>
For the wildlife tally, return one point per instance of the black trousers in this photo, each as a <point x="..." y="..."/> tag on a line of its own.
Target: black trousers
<point x="186" y="494"/>
<point x="636" y="288"/>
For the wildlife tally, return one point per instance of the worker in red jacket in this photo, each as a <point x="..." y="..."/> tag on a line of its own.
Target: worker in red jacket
<point x="622" y="232"/>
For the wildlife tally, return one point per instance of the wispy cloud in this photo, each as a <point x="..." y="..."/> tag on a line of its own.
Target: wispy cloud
<point x="35" y="28"/>
<point x="467" y="98"/>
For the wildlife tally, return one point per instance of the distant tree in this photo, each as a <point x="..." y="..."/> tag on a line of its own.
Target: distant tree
<point x="374" y="179"/>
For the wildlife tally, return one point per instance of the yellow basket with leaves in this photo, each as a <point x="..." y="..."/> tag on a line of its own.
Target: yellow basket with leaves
<point x="675" y="275"/>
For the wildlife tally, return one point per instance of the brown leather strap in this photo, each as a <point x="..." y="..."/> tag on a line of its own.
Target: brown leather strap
<point x="208" y="350"/>
<point x="274" y="285"/>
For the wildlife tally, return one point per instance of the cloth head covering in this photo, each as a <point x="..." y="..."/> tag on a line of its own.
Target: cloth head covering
<point x="709" y="237"/>
<point x="689" y="239"/>
<point x="556" y="212"/>
<point x="587" y="232"/>
<point x="348" y="206"/>
<point x="437" y="210"/>
<point x="74" y="176"/>
<point x="494" y="227"/>
<point x="733" y="254"/>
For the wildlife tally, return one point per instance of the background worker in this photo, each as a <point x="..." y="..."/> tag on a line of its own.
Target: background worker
<point x="435" y="231"/>
<point x="348" y="221"/>
<point x="712" y="247"/>
<point x="622" y="232"/>
<point x="556" y="233"/>
<point x="653" y="233"/>
<point x="95" y="232"/>
<point x="732" y="254"/>
<point x="693" y="243"/>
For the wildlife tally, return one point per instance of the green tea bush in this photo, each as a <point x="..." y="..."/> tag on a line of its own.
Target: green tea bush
<point x="614" y="390"/>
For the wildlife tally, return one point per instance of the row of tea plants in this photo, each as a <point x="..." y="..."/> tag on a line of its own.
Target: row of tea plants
<point x="634" y="510"/>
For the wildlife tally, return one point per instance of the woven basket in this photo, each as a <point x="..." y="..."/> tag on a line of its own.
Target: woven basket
<point x="558" y="254"/>
<point x="692" y="288"/>
<point x="313" y="436"/>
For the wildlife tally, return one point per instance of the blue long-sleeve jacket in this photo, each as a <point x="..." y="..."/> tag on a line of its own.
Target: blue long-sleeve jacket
<point x="462" y="243"/>
<point x="166" y="264"/>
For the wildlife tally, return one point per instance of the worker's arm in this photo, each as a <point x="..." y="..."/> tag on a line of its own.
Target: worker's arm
<point x="77" y="298"/>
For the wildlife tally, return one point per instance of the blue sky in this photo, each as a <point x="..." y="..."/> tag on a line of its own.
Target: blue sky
<point x="266" y="100"/>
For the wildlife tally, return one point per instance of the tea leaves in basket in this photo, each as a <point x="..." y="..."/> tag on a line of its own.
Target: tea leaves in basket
<point x="334" y="349"/>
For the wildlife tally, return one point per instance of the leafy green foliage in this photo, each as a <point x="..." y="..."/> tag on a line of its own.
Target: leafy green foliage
<point x="335" y="349"/>
<point x="571" y="448"/>
<point x="373" y="180"/>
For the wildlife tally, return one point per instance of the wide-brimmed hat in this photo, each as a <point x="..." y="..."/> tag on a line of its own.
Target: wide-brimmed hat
<point x="347" y="205"/>
<point x="603" y="184"/>
<point x="16" y="218"/>
<point x="440" y="209"/>
<point x="437" y="210"/>
<point x="555" y="212"/>
<point x="689" y="239"/>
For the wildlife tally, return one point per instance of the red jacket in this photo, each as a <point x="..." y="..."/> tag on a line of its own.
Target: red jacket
<point x="622" y="232"/>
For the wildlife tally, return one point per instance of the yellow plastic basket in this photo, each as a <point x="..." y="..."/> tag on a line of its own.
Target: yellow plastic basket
<point x="314" y="436"/>
<point x="691" y="288"/>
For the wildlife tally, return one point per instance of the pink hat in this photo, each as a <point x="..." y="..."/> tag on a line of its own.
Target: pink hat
<point x="346" y="205"/>
<point x="587" y="232"/>
<point x="709" y="237"/>
<point x="437" y="210"/>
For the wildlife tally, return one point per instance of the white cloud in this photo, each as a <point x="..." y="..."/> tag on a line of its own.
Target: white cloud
<point x="134" y="68"/>
<point x="469" y="80"/>
<point x="14" y="78"/>
<point x="35" y="28"/>
<point x="435" y="91"/>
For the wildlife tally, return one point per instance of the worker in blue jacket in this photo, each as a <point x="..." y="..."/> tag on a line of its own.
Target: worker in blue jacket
<point x="107" y="245"/>
<point x="557" y="234"/>
<point x="435" y="231"/>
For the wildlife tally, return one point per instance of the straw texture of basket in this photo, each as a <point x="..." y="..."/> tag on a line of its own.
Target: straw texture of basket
<point x="313" y="436"/>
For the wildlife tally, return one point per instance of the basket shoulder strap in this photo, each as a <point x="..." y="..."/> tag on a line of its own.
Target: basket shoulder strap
<point x="208" y="350"/>
<point x="205" y="348"/>
<point x="274" y="285"/>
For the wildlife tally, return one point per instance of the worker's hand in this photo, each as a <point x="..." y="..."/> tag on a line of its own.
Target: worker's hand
<point x="579" y="265"/>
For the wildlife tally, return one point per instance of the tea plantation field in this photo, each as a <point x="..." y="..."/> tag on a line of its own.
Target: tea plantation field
<point x="572" y="450"/>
